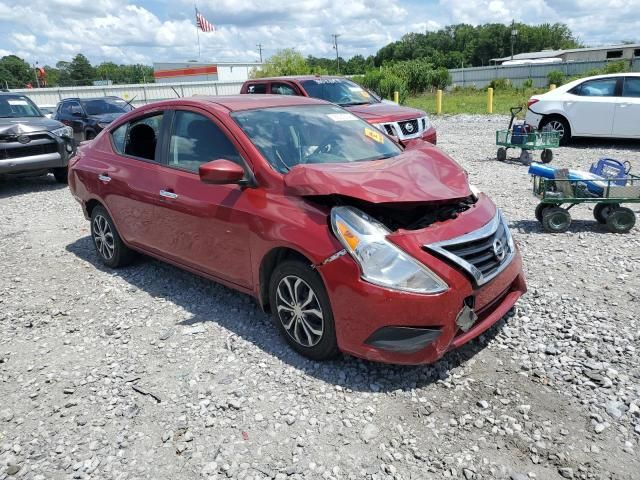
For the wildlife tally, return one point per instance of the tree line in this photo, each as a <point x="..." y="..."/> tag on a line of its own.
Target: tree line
<point x="17" y="73"/>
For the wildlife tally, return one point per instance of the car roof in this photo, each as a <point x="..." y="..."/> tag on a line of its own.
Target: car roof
<point x="242" y="102"/>
<point x="298" y="77"/>
<point x="92" y="98"/>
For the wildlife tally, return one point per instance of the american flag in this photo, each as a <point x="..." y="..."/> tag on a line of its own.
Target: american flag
<point x="203" y="24"/>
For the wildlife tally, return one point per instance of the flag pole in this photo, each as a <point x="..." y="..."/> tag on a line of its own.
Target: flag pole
<point x="197" y="32"/>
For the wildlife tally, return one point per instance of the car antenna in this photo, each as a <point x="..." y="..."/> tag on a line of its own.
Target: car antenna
<point x="176" y="92"/>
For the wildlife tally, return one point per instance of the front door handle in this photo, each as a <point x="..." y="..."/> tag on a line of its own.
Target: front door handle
<point x="103" y="177"/>
<point x="168" y="194"/>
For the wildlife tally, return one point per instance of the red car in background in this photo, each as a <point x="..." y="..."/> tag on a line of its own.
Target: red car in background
<point x="405" y="123"/>
<point x="353" y="242"/>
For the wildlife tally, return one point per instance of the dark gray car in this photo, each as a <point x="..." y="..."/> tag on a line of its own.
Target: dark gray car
<point x="30" y="142"/>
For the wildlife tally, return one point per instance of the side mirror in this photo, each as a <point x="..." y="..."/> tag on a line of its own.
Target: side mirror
<point x="221" y="172"/>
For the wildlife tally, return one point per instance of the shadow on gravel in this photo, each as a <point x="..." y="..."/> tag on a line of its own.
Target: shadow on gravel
<point x="577" y="226"/>
<point x="239" y="314"/>
<point x="614" y="143"/>
<point x="12" y="186"/>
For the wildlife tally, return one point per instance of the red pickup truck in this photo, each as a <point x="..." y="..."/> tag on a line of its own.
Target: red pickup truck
<point x="402" y="122"/>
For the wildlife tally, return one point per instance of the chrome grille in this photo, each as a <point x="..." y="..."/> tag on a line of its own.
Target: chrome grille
<point x="409" y="127"/>
<point x="483" y="253"/>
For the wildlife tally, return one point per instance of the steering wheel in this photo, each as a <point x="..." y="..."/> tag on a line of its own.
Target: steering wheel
<point x="344" y="99"/>
<point x="325" y="147"/>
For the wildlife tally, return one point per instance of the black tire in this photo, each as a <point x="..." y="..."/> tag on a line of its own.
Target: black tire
<point x="602" y="210"/>
<point x="556" y="220"/>
<point x="621" y="220"/>
<point x="540" y="209"/>
<point x="502" y="154"/>
<point x="300" y="332"/>
<point x="89" y="135"/>
<point x="109" y="246"/>
<point x="558" y="123"/>
<point x="546" y="156"/>
<point x="61" y="174"/>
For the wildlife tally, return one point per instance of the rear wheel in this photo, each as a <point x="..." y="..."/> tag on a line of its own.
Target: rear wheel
<point x="60" y="174"/>
<point x="602" y="211"/>
<point x="556" y="220"/>
<point x="301" y="308"/>
<point x="546" y="156"/>
<point x="621" y="220"/>
<point x="502" y="154"/>
<point x="540" y="209"/>
<point x="560" y="125"/>
<point x="109" y="246"/>
<point x="89" y="135"/>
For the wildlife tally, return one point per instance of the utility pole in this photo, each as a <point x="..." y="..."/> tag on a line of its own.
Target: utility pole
<point x="335" y="45"/>
<point x="514" y="33"/>
<point x="260" y="51"/>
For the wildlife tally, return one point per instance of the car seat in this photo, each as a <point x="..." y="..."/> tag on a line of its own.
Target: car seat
<point x="210" y="143"/>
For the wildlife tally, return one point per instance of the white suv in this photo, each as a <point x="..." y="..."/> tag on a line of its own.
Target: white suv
<point x="600" y="106"/>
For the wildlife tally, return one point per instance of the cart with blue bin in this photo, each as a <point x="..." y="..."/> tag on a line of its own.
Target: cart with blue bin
<point x="523" y="136"/>
<point x="608" y="185"/>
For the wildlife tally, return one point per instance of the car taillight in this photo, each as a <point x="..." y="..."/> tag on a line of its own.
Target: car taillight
<point x="531" y="102"/>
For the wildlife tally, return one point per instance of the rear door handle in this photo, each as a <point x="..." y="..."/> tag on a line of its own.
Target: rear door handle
<point x="168" y="194"/>
<point x="104" y="178"/>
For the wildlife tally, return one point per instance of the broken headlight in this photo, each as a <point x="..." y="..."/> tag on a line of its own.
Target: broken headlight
<point x="381" y="262"/>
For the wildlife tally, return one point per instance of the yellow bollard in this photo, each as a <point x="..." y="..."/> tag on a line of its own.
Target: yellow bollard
<point x="489" y="100"/>
<point x="552" y="86"/>
<point x="439" y="102"/>
<point x="396" y="97"/>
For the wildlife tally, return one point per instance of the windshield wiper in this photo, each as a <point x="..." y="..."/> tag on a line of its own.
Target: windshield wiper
<point x="353" y="104"/>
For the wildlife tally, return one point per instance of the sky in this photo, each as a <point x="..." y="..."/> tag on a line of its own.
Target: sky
<point x="144" y="31"/>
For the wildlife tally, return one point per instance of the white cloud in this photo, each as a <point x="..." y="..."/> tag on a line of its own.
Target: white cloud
<point x="123" y="31"/>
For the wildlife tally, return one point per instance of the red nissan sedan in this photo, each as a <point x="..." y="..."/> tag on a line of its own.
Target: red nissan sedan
<point x="353" y="242"/>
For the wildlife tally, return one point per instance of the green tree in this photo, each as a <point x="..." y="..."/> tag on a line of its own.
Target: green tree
<point x="15" y="72"/>
<point x="80" y="71"/>
<point x="284" y="62"/>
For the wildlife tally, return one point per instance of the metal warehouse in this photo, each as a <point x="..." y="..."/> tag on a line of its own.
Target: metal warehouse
<point x="593" y="54"/>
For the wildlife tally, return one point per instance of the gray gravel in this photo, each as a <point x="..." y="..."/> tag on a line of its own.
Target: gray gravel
<point x="152" y="373"/>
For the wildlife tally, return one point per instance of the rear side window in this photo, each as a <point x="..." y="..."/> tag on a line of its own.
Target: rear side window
<point x="257" y="88"/>
<point x="141" y="137"/>
<point x="196" y="140"/>
<point x="118" y="136"/>
<point x="631" y="87"/>
<point x="282" y="89"/>
<point x="602" y="87"/>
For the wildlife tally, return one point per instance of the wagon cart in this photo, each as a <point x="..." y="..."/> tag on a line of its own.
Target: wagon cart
<point x="608" y="195"/>
<point x="526" y="138"/>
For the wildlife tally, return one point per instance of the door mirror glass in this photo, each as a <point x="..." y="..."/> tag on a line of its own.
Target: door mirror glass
<point x="221" y="172"/>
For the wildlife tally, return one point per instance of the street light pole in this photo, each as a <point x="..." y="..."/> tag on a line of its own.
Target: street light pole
<point x="335" y="45"/>
<point x="514" y="33"/>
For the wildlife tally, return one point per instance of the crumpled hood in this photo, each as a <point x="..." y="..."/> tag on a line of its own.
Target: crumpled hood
<point x="422" y="173"/>
<point x="106" y="117"/>
<point x="21" y="125"/>
<point x="391" y="111"/>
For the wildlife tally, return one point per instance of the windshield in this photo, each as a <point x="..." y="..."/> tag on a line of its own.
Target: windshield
<point x="13" y="106"/>
<point x="290" y="136"/>
<point x="98" y="107"/>
<point x="338" y="90"/>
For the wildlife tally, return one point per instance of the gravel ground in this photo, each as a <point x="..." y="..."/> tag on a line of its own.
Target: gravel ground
<point x="152" y="373"/>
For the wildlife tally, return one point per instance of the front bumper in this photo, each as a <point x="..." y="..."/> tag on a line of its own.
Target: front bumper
<point x="361" y="310"/>
<point x="45" y="152"/>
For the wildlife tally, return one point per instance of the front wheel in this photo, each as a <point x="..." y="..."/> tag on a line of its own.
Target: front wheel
<point x="109" y="246"/>
<point x="602" y="211"/>
<point x="621" y="220"/>
<point x="301" y="308"/>
<point x="502" y="154"/>
<point x="556" y="220"/>
<point x="546" y="156"/>
<point x="61" y="174"/>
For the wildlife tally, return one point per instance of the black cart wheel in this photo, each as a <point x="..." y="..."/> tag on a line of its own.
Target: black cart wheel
<point x="556" y="220"/>
<point x="540" y="209"/>
<point x="546" y="156"/>
<point x="602" y="211"/>
<point x="502" y="154"/>
<point x="621" y="220"/>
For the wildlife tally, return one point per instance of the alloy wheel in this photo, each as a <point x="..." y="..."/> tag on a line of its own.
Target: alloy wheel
<point x="299" y="311"/>
<point x="103" y="237"/>
<point x="557" y="126"/>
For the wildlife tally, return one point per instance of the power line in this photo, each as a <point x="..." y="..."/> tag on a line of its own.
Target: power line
<point x="260" y="51"/>
<point x="335" y="45"/>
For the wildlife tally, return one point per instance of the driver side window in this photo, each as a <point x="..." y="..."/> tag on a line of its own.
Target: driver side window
<point x="195" y="140"/>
